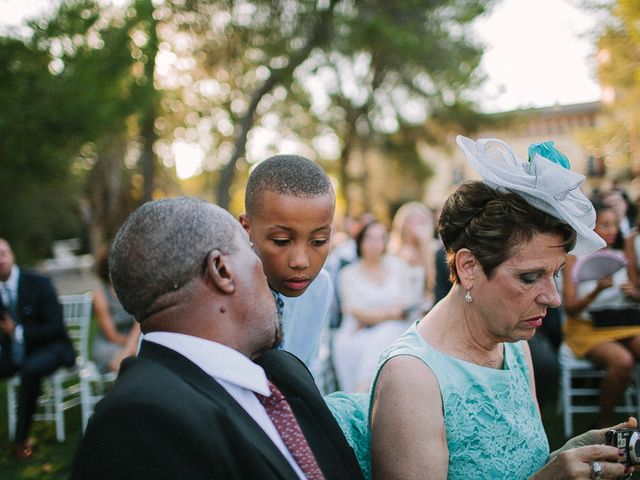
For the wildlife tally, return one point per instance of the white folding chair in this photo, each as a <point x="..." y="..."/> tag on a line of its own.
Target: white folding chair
<point x="66" y="387"/>
<point x="93" y="383"/>
<point x="576" y="398"/>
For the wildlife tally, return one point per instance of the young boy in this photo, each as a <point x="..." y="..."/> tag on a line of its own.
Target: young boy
<point x="290" y="202"/>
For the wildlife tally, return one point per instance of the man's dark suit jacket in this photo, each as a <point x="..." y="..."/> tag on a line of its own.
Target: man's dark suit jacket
<point x="165" y="418"/>
<point x="40" y="313"/>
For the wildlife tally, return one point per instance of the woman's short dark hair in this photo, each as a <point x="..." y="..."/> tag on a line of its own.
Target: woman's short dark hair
<point x="491" y="223"/>
<point x="360" y="236"/>
<point x="599" y="206"/>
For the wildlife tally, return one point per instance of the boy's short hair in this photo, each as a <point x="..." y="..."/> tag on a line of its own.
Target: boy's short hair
<point x="287" y="175"/>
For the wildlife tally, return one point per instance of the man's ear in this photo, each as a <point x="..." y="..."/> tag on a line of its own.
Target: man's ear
<point x="219" y="272"/>
<point x="466" y="263"/>
<point x="244" y="221"/>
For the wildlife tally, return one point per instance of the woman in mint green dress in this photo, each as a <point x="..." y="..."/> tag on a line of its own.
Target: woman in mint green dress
<point x="454" y="397"/>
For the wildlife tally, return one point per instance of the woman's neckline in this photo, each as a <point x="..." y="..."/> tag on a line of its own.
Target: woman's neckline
<point x="451" y="355"/>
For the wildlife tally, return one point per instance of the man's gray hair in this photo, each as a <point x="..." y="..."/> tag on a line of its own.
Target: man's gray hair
<point x="163" y="245"/>
<point x="286" y="175"/>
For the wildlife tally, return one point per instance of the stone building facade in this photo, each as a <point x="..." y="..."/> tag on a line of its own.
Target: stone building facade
<point x="564" y="124"/>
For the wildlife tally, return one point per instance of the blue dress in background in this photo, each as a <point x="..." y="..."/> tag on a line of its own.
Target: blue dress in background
<point x="103" y="350"/>
<point x="493" y="428"/>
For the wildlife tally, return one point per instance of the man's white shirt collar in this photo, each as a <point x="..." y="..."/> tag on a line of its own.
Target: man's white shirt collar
<point x="12" y="281"/>
<point x="219" y="361"/>
<point x="11" y="284"/>
<point x="237" y="374"/>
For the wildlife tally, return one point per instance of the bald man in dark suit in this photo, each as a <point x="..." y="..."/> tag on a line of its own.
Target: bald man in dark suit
<point x="193" y="404"/>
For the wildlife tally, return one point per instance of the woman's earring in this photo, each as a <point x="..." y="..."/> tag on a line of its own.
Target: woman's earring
<point x="468" y="296"/>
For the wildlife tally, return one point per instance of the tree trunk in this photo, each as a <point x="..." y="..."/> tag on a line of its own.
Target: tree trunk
<point x="277" y="76"/>
<point x="148" y="158"/>
<point x="103" y="209"/>
<point x="148" y="118"/>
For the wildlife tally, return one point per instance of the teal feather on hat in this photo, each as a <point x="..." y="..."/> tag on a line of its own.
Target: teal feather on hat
<point x="548" y="151"/>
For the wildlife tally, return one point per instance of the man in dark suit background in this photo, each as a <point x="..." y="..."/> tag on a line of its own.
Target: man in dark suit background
<point x="193" y="403"/>
<point x="33" y="339"/>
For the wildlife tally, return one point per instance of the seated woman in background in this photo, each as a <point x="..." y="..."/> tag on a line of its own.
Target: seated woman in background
<point x="454" y="397"/>
<point x="412" y="239"/>
<point x="115" y="324"/>
<point x="375" y="293"/>
<point x="603" y="318"/>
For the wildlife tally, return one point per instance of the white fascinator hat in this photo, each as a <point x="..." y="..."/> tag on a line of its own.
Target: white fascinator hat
<point x="543" y="183"/>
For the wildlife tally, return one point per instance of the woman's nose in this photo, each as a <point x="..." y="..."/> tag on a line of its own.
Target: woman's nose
<point x="550" y="296"/>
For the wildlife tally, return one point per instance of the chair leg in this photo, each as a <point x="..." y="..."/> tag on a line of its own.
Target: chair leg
<point x="12" y="407"/>
<point x="566" y="402"/>
<point x="85" y="401"/>
<point x="59" y="413"/>
<point x="560" y="398"/>
<point x="629" y="397"/>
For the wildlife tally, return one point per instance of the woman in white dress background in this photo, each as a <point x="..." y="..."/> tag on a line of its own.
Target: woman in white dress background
<point x="376" y="295"/>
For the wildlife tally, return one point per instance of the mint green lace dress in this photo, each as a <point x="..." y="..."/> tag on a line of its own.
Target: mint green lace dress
<point x="494" y="430"/>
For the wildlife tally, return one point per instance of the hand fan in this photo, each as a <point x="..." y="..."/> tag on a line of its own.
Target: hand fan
<point x="600" y="264"/>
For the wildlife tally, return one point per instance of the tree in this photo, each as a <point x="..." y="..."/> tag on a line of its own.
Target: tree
<point x="82" y="86"/>
<point x="38" y="142"/>
<point x="618" y="46"/>
<point x="108" y="88"/>
<point x="408" y="52"/>
<point x="394" y="77"/>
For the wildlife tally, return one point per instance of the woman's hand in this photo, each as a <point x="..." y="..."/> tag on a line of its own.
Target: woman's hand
<point x="570" y="460"/>
<point x="7" y="325"/>
<point x="604" y="283"/>
<point x="595" y="437"/>
<point x="631" y="291"/>
<point x="578" y="463"/>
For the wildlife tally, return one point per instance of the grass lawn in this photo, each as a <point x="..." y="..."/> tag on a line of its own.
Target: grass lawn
<point x="52" y="460"/>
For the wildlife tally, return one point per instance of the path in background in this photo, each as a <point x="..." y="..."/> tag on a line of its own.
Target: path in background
<point x="73" y="282"/>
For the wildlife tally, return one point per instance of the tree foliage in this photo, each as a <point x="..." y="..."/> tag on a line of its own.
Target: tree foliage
<point x="39" y="127"/>
<point x="78" y="93"/>
<point x="399" y="74"/>
<point x="99" y="91"/>
<point x="375" y="67"/>
<point x="618" y="138"/>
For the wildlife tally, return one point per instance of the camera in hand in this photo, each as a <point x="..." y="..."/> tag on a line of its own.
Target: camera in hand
<point x="627" y="439"/>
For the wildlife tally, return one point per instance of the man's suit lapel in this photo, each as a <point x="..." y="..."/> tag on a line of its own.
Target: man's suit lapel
<point x="204" y="383"/>
<point x="330" y="447"/>
<point x="19" y="293"/>
<point x="23" y="287"/>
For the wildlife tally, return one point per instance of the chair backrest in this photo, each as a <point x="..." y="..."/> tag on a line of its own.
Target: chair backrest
<point x="77" y="317"/>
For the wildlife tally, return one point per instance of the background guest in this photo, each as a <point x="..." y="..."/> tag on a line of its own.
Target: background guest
<point x="603" y="318"/>
<point x="617" y="200"/>
<point x="376" y="293"/>
<point x="412" y="239"/>
<point x="34" y="341"/>
<point x="114" y="323"/>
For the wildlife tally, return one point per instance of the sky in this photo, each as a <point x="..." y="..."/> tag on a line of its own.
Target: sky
<point x="538" y="54"/>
